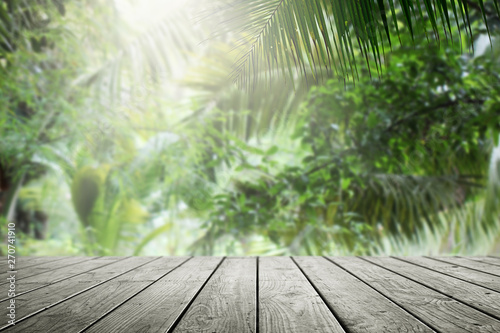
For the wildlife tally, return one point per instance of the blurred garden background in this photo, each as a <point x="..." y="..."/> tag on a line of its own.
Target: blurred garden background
<point x="258" y="127"/>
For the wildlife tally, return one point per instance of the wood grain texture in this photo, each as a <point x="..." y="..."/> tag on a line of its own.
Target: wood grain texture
<point x="34" y="264"/>
<point x="156" y="308"/>
<point x="79" y="312"/>
<point x="463" y="273"/>
<point x="53" y="276"/>
<point x="435" y="309"/>
<point x="49" y="295"/>
<point x="488" y="260"/>
<point x="24" y="272"/>
<point x="245" y="294"/>
<point x="23" y="262"/>
<point x="472" y="264"/>
<point x="288" y="302"/>
<point x="480" y="298"/>
<point x="227" y="303"/>
<point x="357" y="306"/>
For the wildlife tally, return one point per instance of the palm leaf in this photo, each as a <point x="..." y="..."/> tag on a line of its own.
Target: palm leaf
<point x="244" y="113"/>
<point x="319" y="34"/>
<point x="402" y="204"/>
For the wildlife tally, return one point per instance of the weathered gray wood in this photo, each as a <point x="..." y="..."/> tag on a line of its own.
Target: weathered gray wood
<point x="433" y="308"/>
<point x="3" y="262"/>
<point x="227" y="303"/>
<point x="49" y="295"/>
<point x="138" y="294"/>
<point x="473" y="264"/>
<point x="463" y="273"/>
<point x="47" y="277"/>
<point x="24" y="262"/>
<point x="78" y="312"/>
<point x="487" y="260"/>
<point x="43" y="266"/>
<point x="478" y="297"/>
<point x="288" y="302"/>
<point x="156" y="308"/>
<point x="357" y="306"/>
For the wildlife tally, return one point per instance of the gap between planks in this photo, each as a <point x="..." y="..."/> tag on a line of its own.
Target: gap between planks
<point x="470" y="295"/>
<point x="180" y="316"/>
<point x="19" y="322"/>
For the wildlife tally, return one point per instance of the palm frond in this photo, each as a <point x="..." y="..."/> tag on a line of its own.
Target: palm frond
<point x="403" y="204"/>
<point x="244" y="113"/>
<point x="322" y="35"/>
<point x="456" y="232"/>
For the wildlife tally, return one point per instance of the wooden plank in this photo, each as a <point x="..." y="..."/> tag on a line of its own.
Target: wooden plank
<point x="227" y="303"/>
<point x="357" y="306"/>
<point x="36" y="281"/>
<point x="199" y="297"/>
<point x="475" y="296"/>
<point x="473" y="264"/>
<point x="49" y="295"/>
<point x="43" y="266"/>
<point x="463" y="273"/>
<point x="76" y="313"/>
<point x="23" y="262"/>
<point x="288" y="302"/>
<point x="436" y="310"/>
<point x="156" y="308"/>
<point x="488" y="260"/>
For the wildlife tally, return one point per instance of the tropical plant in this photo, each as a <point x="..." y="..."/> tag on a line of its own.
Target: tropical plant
<point x="34" y="92"/>
<point x="383" y="158"/>
<point x="151" y="81"/>
<point x="285" y="36"/>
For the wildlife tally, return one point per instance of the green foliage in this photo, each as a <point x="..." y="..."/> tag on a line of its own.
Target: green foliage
<point x="383" y="158"/>
<point x="333" y="36"/>
<point x="130" y="123"/>
<point x="104" y="210"/>
<point x="36" y="101"/>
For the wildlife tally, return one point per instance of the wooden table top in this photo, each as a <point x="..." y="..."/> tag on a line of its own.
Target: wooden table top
<point x="251" y="294"/>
